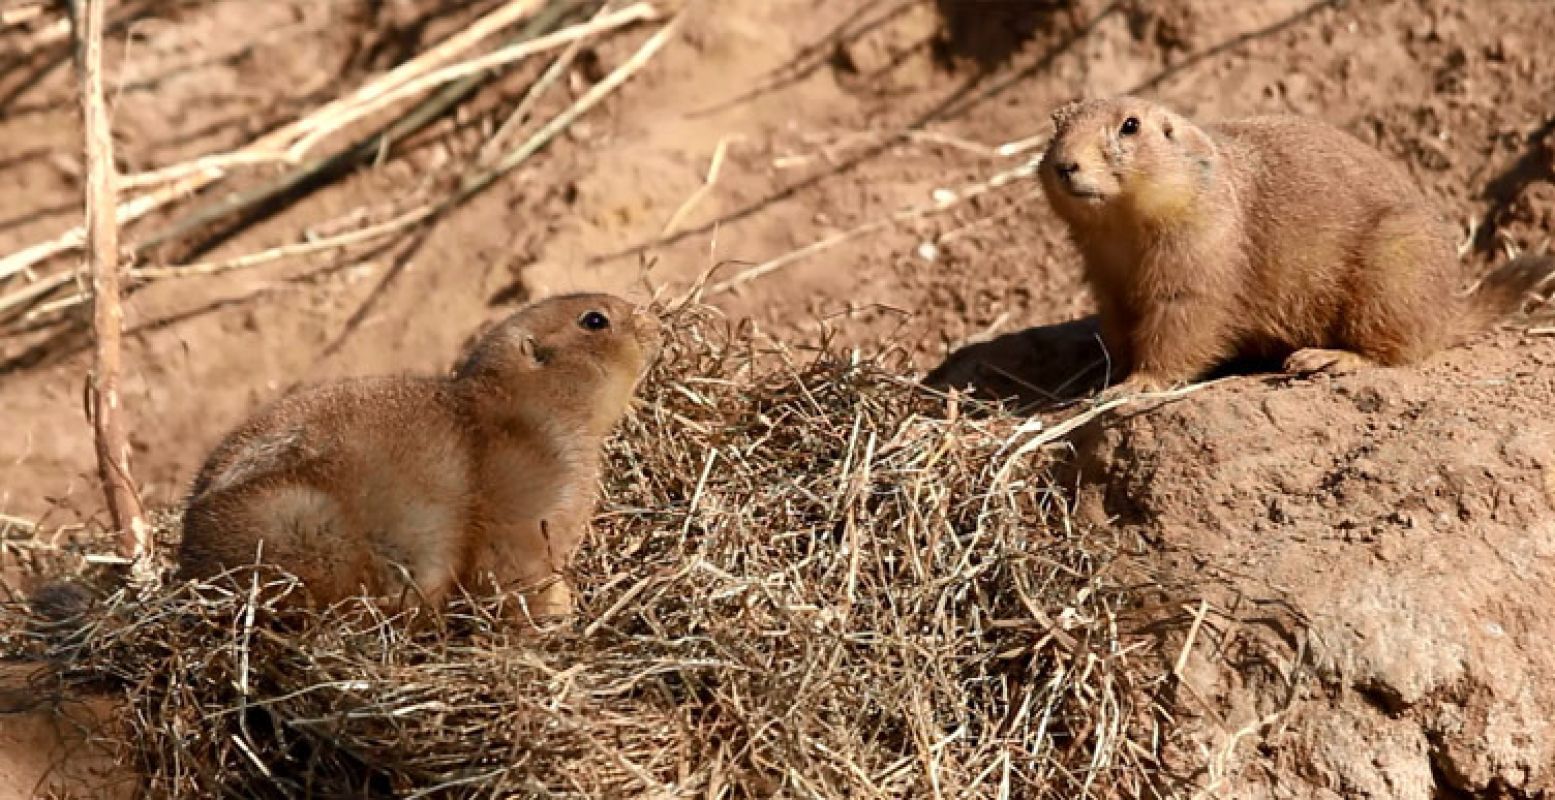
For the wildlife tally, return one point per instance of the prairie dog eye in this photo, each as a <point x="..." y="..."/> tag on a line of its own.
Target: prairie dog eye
<point x="1130" y="126"/>
<point x="593" y="321"/>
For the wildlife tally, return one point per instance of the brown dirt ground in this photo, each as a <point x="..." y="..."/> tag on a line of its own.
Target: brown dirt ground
<point x="48" y="749"/>
<point x="837" y="114"/>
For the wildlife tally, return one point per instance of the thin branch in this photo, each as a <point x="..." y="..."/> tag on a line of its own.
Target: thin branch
<point x="128" y="211"/>
<point x="217" y="165"/>
<point x="492" y="149"/>
<point x="102" y="261"/>
<point x="473" y="185"/>
<point x="27" y="295"/>
<point x="291" y="250"/>
<point x="498" y="19"/>
<point x="713" y="171"/>
<point x="325" y="126"/>
<point x="273" y="144"/>
<point x="321" y="170"/>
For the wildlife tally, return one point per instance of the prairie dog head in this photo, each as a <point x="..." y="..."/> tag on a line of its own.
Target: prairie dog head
<point x="576" y="358"/>
<point x="1124" y="155"/>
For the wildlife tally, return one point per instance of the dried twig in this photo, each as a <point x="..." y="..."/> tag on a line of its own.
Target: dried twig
<point x="273" y="254"/>
<point x="127" y="212"/>
<point x="501" y="17"/>
<point x="33" y="291"/>
<point x="324" y="125"/>
<point x="319" y="171"/>
<point x="102" y="259"/>
<point x="472" y="185"/>
<point x="207" y="166"/>
<point x="188" y="179"/>
<point x="24" y="13"/>
<point x="51" y="34"/>
<point x="492" y="149"/>
<point x="714" y="169"/>
<point x="599" y="91"/>
<point x="292" y="143"/>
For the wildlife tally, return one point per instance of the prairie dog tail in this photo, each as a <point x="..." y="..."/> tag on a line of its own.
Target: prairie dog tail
<point x="1505" y="290"/>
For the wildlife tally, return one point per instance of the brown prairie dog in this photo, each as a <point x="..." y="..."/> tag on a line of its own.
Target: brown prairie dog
<point x="407" y="487"/>
<point x="1272" y="237"/>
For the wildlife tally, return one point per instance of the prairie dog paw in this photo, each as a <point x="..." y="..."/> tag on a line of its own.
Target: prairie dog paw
<point x="1314" y="360"/>
<point x="1135" y="384"/>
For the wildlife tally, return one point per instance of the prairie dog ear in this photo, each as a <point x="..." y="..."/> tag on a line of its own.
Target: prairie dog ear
<point x="1192" y="137"/>
<point x="1064" y="113"/>
<point x="530" y="348"/>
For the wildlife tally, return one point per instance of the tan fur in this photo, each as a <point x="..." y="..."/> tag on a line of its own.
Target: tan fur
<point x="1271" y="236"/>
<point x="407" y="487"/>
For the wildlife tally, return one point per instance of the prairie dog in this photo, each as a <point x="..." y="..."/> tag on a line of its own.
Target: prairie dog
<point x="1267" y="237"/>
<point x="407" y="487"/>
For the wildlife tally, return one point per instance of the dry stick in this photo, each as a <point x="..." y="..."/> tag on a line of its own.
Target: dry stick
<point x="1041" y="435"/>
<point x="33" y="291"/>
<point x="6" y="520"/>
<point x="598" y="92"/>
<point x="493" y="147"/>
<point x="209" y="170"/>
<point x="102" y="259"/>
<point x="370" y="98"/>
<point x="940" y="205"/>
<point x="128" y="212"/>
<point x="640" y="12"/>
<point x="53" y="33"/>
<point x="323" y="169"/>
<point x="502" y="17"/>
<point x="714" y="169"/>
<point x="20" y="14"/>
<point x="346" y="239"/>
<point x="472" y="186"/>
<point x="290" y="144"/>
<point x="1193" y="633"/>
<point x="217" y="164"/>
<point x="255" y="259"/>
<point x="38" y="313"/>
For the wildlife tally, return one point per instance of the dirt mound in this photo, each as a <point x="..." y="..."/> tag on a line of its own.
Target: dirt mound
<point x="1377" y="552"/>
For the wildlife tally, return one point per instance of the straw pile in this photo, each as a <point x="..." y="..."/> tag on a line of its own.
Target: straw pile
<point x="807" y="579"/>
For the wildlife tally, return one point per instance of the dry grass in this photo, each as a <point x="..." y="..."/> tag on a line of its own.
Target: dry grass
<point x="807" y="579"/>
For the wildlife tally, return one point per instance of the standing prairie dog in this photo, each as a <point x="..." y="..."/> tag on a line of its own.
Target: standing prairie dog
<point x="408" y="487"/>
<point x="1272" y="237"/>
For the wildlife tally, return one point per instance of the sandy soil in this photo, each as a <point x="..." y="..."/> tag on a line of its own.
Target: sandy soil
<point x="50" y="748"/>
<point x="837" y="114"/>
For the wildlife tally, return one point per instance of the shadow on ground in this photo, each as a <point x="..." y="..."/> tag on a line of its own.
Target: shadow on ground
<point x="1029" y="369"/>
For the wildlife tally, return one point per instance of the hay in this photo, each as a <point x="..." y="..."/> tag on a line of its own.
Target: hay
<point x="807" y="579"/>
